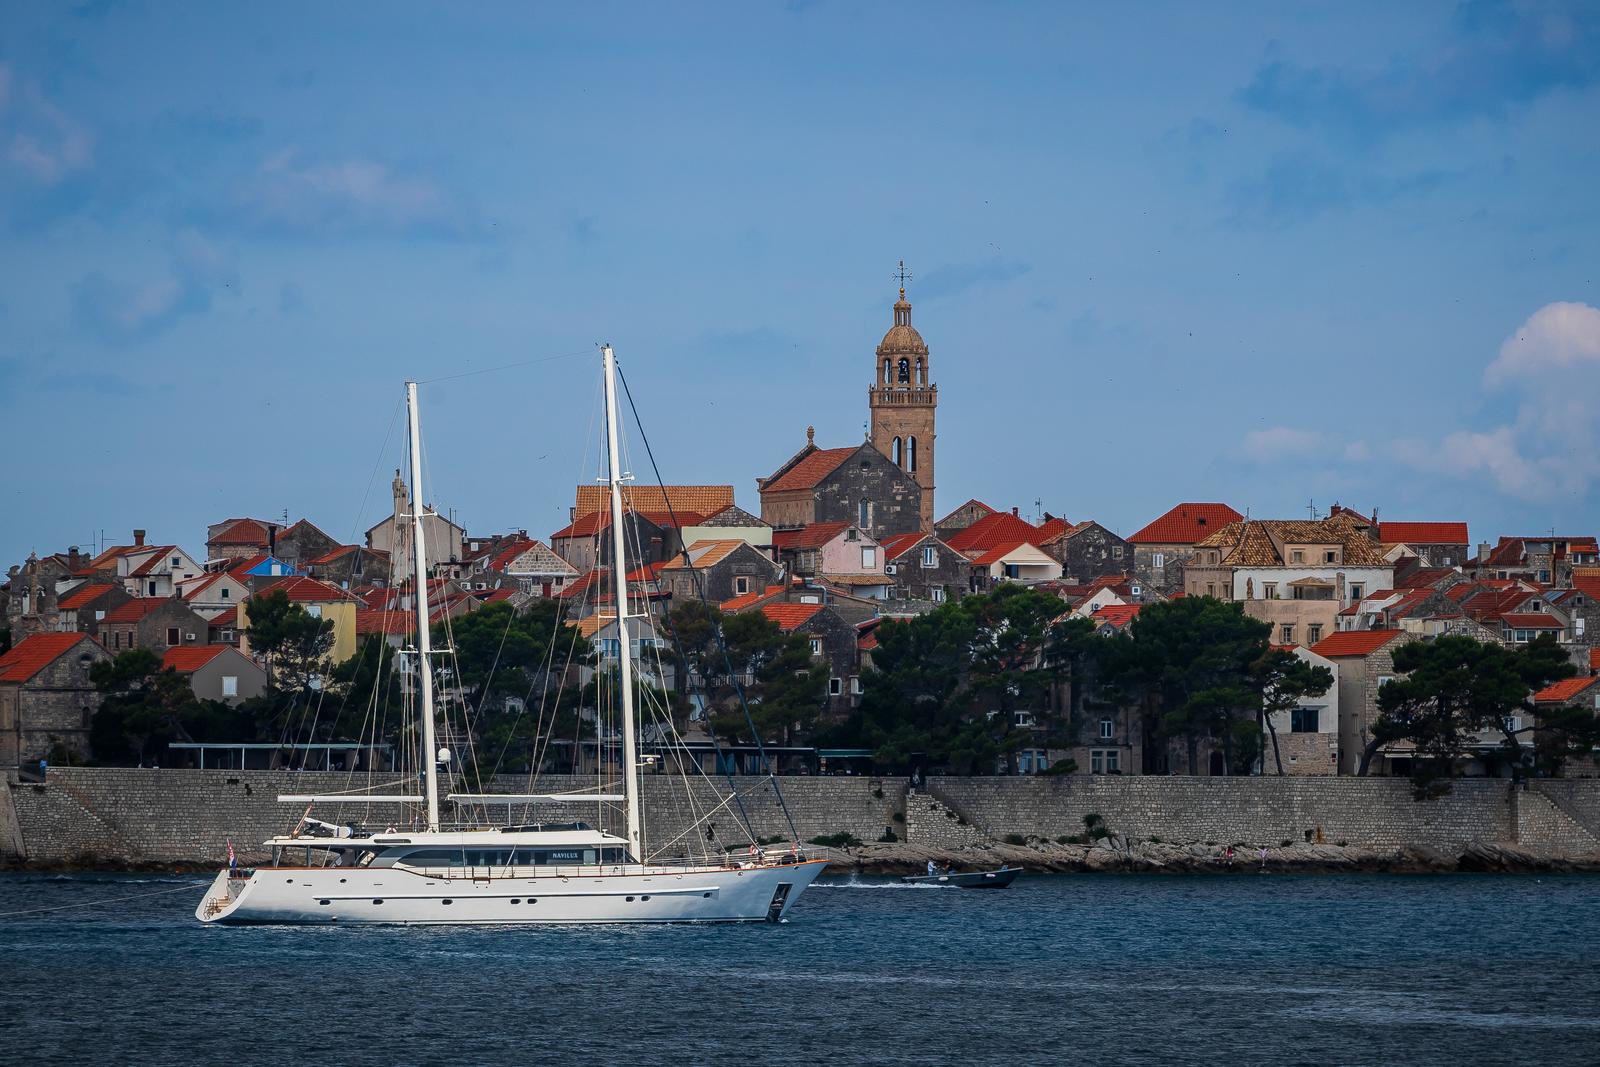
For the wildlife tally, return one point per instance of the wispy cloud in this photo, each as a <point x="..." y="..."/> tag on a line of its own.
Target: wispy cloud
<point x="1495" y="55"/>
<point x="289" y="195"/>
<point x="959" y="277"/>
<point x="1297" y="187"/>
<point x="122" y="312"/>
<point x="1278" y="443"/>
<point x="40" y="141"/>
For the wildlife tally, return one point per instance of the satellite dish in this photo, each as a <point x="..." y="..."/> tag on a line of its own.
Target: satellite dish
<point x="444" y="755"/>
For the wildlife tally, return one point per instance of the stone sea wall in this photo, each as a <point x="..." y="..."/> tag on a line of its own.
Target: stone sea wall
<point x="95" y="815"/>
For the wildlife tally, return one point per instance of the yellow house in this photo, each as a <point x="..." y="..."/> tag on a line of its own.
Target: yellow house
<point x="320" y="600"/>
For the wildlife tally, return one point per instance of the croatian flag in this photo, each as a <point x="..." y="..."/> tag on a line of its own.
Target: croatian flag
<point x="233" y="861"/>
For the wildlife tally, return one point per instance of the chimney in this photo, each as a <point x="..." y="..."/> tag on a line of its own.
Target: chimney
<point x="74" y="561"/>
<point x="1014" y="511"/>
<point x="1483" y="552"/>
<point x="272" y="540"/>
<point x="138" y="538"/>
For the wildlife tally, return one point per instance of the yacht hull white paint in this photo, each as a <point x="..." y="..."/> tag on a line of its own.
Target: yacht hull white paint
<point x="394" y="895"/>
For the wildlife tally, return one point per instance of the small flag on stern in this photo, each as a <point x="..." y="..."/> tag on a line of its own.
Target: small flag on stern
<point x="233" y="860"/>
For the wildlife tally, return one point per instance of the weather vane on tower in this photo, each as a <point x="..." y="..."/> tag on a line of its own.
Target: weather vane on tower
<point x="904" y="276"/>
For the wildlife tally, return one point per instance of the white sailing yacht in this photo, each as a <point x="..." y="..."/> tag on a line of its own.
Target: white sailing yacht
<point x="542" y="873"/>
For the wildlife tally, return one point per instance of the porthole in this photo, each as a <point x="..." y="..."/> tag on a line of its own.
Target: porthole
<point x="447" y="901"/>
<point x="644" y="898"/>
<point x="288" y="881"/>
<point x="705" y="894"/>
<point x="516" y="900"/>
<point x="342" y="881"/>
<point x="379" y="900"/>
<point x="324" y="903"/>
<point x="630" y="900"/>
<point x="532" y="900"/>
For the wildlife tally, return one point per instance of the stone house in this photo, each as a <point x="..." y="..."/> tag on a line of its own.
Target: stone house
<point x="348" y="566"/>
<point x="153" y="623"/>
<point x="961" y="518"/>
<point x="1436" y="544"/>
<point x="731" y="523"/>
<point x="1546" y="560"/>
<point x="1088" y="550"/>
<point x="155" y="570"/>
<point x="527" y="565"/>
<point x="925" y="568"/>
<point x="217" y="672"/>
<point x="1296" y="575"/>
<point x="299" y="544"/>
<point x="831" y="548"/>
<point x="1308" y="735"/>
<point x="717" y="571"/>
<point x="651" y="537"/>
<point x="859" y="485"/>
<point x="238" y="538"/>
<point x="34" y="591"/>
<point x="1365" y="661"/>
<point x="84" y="608"/>
<point x="833" y="639"/>
<point x="46" y="697"/>
<point x="1162" y="548"/>
<point x="445" y="540"/>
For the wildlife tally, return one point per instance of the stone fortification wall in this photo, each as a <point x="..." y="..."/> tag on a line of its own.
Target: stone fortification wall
<point x="172" y="815"/>
<point x="92" y="815"/>
<point x="1372" y="812"/>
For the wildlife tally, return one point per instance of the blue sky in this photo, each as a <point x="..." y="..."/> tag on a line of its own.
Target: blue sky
<point x="1261" y="254"/>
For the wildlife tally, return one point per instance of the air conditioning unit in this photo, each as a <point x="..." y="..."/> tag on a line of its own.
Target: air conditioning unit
<point x="188" y="637"/>
<point x="890" y="568"/>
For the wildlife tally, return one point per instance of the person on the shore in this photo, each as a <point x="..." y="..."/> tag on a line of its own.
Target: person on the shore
<point x="933" y="868"/>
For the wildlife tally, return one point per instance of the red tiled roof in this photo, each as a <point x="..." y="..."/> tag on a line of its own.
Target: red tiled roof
<point x="186" y="659"/>
<point x="243" y="532"/>
<point x="157" y="558"/>
<point x="1587" y="580"/>
<point x="1051" y="528"/>
<point x="135" y="609"/>
<point x="810" y="470"/>
<point x="1531" y="620"/>
<point x="813" y="536"/>
<point x="898" y="545"/>
<point x="789" y="616"/>
<point x="998" y="553"/>
<point x="591" y="524"/>
<point x="745" y="600"/>
<point x="1118" y="615"/>
<point x="1423" y="576"/>
<point x="1594" y="659"/>
<point x="1423" y="533"/>
<point x="384" y="622"/>
<point x="1354" y="643"/>
<point x="85" y="595"/>
<point x="992" y="531"/>
<point x="1186" y="524"/>
<point x="1563" y="691"/>
<point x="36" y="652"/>
<point x="303" y="590"/>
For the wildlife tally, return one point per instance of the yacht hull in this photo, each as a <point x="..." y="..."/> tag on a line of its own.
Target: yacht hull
<point x="353" y="895"/>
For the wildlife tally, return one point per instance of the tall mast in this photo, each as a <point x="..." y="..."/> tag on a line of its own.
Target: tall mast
<point x="619" y="581"/>
<point x="419" y="578"/>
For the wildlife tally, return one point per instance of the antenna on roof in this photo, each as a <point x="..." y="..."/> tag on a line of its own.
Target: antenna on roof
<point x="1311" y="509"/>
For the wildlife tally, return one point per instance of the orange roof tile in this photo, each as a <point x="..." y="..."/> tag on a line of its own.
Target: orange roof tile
<point x="135" y="609"/>
<point x="745" y="600"/>
<point x="157" y="558"/>
<point x="243" y="532"/>
<point x="1354" y="643"/>
<point x="186" y="659"/>
<point x="1423" y="533"/>
<point x="384" y="622"/>
<point x="810" y="470"/>
<point x="1594" y="659"/>
<point x="813" y="536"/>
<point x="1563" y="691"/>
<point x="85" y="595"/>
<point x="789" y="616"/>
<point x="1186" y="524"/>
<point x="303" y="590"/>
<point x="1531" y="620"/>
<point x="1118" y="615"/>
<point x="702" y="500"/>
<point x="591" y="524"/>
<point x="36" y="652"/>
<point x="898" y="545"/>
<point x="993" y="531"/>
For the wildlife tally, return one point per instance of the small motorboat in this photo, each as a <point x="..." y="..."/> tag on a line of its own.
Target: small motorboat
<point x="973" y="880"/>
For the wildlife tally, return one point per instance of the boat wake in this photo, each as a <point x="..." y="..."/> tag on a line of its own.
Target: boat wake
<point x="855" y="881"/>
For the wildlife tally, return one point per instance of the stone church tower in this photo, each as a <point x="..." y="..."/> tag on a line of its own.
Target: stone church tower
<point x="903" y="402"/>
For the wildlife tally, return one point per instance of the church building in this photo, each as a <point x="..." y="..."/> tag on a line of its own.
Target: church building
<point x="885" y="485"/>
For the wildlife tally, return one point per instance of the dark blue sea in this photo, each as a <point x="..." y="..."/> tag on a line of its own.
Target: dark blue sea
<point x="1239" y="969"/>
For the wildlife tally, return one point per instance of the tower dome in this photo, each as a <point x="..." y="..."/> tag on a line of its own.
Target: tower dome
<point x="902" y="338"/>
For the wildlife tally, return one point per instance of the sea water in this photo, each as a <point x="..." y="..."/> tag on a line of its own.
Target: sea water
<point x="1244" y="968"/>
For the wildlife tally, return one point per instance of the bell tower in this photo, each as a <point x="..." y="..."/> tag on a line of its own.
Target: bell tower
<point x="903" y="400"/>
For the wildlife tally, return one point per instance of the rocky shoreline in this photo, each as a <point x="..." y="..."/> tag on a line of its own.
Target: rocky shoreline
<point x="1111" y="856"/>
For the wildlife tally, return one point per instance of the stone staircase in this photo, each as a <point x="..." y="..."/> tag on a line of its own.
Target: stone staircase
<point x="1543" y="824"/>
<point x="933" y="823"/>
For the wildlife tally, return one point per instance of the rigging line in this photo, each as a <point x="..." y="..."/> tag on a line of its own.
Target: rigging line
<point x="506" y="366"/>
<point x="105" y="900"/>
<point x="722" y="644"/>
